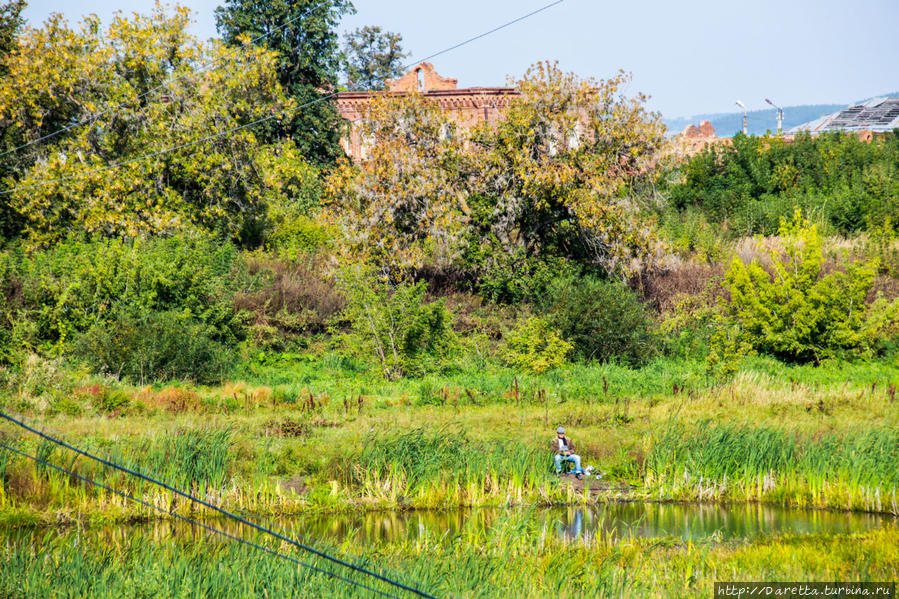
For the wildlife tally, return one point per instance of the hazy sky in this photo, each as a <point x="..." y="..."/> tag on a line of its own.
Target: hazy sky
<point x="691" y="56"/>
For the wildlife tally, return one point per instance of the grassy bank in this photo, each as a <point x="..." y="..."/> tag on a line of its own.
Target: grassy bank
<point x="811" y="437"/>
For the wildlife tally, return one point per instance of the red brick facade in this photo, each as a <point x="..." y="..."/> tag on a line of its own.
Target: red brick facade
<point x="466" y="107"/>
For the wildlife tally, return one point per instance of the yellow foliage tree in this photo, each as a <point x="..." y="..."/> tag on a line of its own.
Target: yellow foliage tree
<point x="404" y="205"/>
<point x="60" y="76"/>
<point x="558" y="170"/>
<point x="553" y="177"/>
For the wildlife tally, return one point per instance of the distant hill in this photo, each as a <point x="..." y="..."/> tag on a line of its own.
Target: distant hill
<point x="759" y="121"/>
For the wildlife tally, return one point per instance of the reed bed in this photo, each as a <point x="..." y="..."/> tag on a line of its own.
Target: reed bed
<point x="445" y="468"/>
<point x="854" y="471"/>
<point x="325" y="436"/>
<point x="200" y="462"/>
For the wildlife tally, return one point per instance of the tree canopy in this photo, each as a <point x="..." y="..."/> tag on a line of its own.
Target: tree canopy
<point x="60" y="76"/>
<point x="558" y="170"/>
<point x="554" y="177"/>
<point x="10" y="22"/>
<point x="304" y="36"/>
<point x="371" y="57"/>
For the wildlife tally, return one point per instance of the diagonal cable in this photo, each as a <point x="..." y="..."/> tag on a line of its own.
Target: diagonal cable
<point x="218" y="509"/>
<point x="193" y="522"/>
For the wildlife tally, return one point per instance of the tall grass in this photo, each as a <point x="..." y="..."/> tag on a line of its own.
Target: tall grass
<point x="443" y="468"/>
<point x="719" y="461"/>
<point x="196" y="461"/>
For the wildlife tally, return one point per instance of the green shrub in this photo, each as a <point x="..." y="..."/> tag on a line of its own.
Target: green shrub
<point x="514" y="278"/>
<point x="394" y="325"/>
<point x="10" y="290"/>
<point x="533" y="346"/>
<point x="800" y="313"/>
<point x="290" y="226"/>
<point x="158" y="346"/>
<point x="835" y="178"/>
<point x="298" y="234"/>
<point x="67" y="406"/>
<point x="690" y="233"/>
<point x="76" y="285"/>
<point x="111" y="400"/>
<point x="604" y="320"/>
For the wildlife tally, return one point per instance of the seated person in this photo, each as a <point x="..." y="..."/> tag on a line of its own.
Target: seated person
<point x="564" y="450"/>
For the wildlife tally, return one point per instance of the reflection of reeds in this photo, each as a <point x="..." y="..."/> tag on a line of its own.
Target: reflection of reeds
<point x="512" y="557"/>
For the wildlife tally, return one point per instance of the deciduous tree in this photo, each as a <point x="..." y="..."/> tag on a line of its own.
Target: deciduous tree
<point x="10" y="22"/>
<point x="61" y="76"/>
<point x="371" y="57"/>
<point x="555" y="175"/>
<point x="404" y="205"/>
<point x="304" y="35"/>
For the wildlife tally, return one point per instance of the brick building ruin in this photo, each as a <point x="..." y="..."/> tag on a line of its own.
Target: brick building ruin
<point x="466" y="107"/>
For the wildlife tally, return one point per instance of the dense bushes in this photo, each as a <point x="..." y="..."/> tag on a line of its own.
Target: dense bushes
<point x="75" y="285"/>
<point x="797" y="311"/>
<point x="157" y="346"/>
<point x="533" y="346"/>
<point x="515" y="278"/>
<point x="288" y="298"/>
<point x="394" y="325"/>
<point x="144" y="309"/>
<point x="835" y="178"/>
<point x="604" y="320"/>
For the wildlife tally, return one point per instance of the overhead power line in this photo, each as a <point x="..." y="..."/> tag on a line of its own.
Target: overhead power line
<point x="270" y="117"/>
<point x="220" y="510"/>
<point x="195" y="522"/>
<point x="167" y="83"/>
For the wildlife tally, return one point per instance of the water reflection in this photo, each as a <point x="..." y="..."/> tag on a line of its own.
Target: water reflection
<point x="702" y="521"/>
<point x="582" y="525"/>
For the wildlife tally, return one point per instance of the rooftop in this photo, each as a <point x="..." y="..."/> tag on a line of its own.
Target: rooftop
<point x="879" y="115"/>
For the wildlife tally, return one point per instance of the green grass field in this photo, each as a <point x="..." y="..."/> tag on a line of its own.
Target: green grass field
<point x="322" y="435"/>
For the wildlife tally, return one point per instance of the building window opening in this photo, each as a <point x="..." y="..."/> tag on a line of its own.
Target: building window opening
<point x="421" y="80"/>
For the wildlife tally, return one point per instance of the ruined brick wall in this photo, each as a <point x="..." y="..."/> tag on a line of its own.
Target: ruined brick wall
<point x="422" y="78"/>
<point x="464" y="107"/>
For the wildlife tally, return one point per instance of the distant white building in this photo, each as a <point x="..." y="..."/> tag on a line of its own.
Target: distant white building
<point x="879" y="115"/>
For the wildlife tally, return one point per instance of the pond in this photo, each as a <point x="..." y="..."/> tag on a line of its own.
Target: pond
<point x="608" y="522"/>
